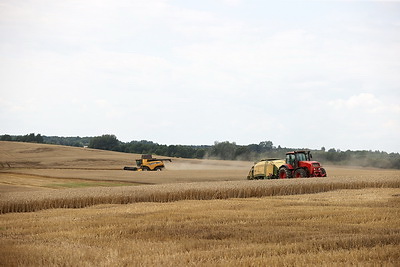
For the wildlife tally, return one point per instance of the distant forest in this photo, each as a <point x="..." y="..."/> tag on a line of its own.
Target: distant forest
<point x="219" y="150"/>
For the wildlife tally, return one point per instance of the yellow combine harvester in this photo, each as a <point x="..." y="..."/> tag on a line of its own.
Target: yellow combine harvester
<point x="148" y="163"/>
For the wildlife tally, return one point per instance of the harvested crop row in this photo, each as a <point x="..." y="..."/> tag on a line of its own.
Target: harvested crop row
<point x="79" y="198"/>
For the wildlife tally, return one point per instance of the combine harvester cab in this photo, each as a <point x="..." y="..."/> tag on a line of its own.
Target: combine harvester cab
<point x="148" y="163"/>
<point x="298" y="164"/>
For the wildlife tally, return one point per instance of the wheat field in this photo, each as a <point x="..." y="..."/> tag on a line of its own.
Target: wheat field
<point x="343" y="227"/>
<point x="77" y="207"/>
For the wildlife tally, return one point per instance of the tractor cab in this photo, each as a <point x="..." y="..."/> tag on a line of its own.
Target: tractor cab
<point x="293" y="158"/>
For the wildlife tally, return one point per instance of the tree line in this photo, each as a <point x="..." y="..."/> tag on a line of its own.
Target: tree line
<point x="55" y="140"/>
<point x="219" y="150"/>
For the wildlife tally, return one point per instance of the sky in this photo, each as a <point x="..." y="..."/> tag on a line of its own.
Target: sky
<point x="302" y="74"/>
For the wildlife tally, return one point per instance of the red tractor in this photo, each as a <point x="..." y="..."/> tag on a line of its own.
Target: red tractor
<point x="299" y="164"/>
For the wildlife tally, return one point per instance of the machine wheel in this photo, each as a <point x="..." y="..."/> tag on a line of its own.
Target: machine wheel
<point x="323" y="172"/>
<point x="284" y="173"/>
<point x="145" y="169"/>
<point x="158" y="169"/>
<point x="300" y="173"/>
<point x="250" y="176"/>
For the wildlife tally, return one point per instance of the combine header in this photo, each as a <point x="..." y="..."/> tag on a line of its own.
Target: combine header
<point x="298" y="164"/>
<point x="148" y="163"/>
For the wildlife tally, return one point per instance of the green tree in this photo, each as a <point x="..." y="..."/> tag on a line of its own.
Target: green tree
<point x="266" y="145"/>
<point x="6" y="137"/>
<point x="224" y="150"/>
<point x="106" y="142"/>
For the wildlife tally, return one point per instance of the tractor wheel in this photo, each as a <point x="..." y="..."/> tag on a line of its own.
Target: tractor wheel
<point x="145" y="169"/>
<point x="300" y="173"/>
<point x="158" y="169"/>
<point x="284" y="173"/>
<point x="323" y="172"/>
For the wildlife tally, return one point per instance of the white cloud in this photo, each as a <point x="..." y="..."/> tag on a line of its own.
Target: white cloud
<point x="366" y="102"/>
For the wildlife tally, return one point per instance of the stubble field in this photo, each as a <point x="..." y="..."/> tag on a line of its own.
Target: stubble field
<point x="74" y="206"/>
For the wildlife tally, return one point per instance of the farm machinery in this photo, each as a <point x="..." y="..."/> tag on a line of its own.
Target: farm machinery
<point x="148" y="163"/>
<point x="298" y="164"/>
